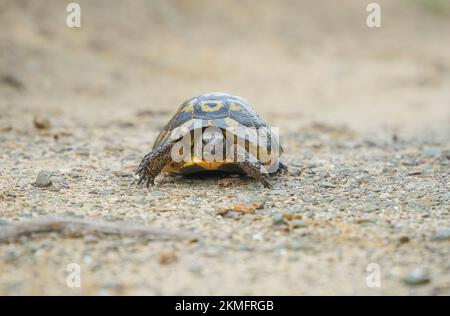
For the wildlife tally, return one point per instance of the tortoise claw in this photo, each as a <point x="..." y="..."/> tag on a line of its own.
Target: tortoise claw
<point x="145" y="175"/>
<point x="266" y="183"/>
<point x="141" y="178"/>
<point x="153" y="163"/>
<point x="150" y="180"/>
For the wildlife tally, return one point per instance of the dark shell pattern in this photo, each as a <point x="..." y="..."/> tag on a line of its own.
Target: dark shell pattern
<point x="217" y="109"/>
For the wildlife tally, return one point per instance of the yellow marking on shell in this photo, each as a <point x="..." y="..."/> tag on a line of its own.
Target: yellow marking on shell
<point x="206" y="108"/>
<point x="235" y="106"/>
<point x="188" y="108"/>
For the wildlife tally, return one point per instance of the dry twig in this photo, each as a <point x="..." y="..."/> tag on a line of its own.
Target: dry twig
<point x="78" y="227"/>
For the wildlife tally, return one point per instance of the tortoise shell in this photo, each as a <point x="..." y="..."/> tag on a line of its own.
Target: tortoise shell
<point x="219" y="110"/>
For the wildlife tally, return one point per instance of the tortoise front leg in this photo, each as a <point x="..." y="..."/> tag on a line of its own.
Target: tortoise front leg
<point x="153" y="163"/>
<point x="252" y="167"/>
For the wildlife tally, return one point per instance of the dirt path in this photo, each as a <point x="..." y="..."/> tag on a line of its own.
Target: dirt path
<point x="364" y="116"/>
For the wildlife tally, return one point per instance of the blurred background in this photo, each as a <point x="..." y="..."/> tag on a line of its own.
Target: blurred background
<point x="296" y="61"/>
<point x="364" y="118"/>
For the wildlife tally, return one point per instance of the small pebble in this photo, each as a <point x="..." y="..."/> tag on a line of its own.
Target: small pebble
<point x="82" y="152"/>
<point x="431" y="152"/>
<point x="403" y="239"/>
<point x="298" y="223"/>
<point x="258" y="236"/>
<point x="417" y="276"/>
<point x="443" y="234"/>
<point x="60" y="183"/>
<point x="43" y="179"/>
<point x="410" y="162"/>
<point x="11" y="194"/>
<point x="90" y="239"/>
<point x="362" y="180"/>
<point x="232" y="214"/>
<point x="41" y="122"/>
<point x="12" y="81"/>
<point x="294" y="172"/>
<point x="327" y="185"/>
<point x="167" y="257"/>
<point x="278" y="219"/>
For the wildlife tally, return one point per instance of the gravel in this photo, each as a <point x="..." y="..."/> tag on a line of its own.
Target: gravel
<point x="368" y="178"/>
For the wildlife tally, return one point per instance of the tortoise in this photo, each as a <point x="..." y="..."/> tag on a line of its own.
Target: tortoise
<point x="232" y="120"/>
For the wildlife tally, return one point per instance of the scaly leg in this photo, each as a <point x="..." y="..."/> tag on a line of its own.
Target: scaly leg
<point x="252" y="167"/>
<point x="153" y="163"/>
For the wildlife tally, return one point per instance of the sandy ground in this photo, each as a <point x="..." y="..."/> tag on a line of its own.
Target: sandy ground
<point x="364" y="116"/>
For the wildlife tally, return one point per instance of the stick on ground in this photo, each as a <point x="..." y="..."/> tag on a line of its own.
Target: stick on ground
<point x="78" y="227"/>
